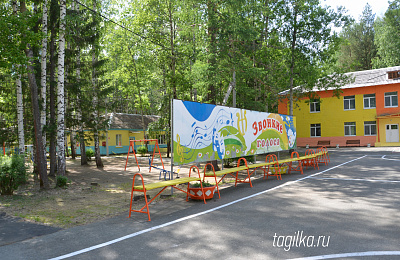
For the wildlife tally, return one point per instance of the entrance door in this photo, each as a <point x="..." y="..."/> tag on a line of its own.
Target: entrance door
<point x="392" y="133"/>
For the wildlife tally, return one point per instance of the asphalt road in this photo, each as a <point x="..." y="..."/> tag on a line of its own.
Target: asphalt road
<point x="348" y="209"/>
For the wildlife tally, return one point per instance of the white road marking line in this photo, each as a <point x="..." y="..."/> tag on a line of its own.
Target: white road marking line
<point x="384" y="157"/>
<point x="191" y="216"/>
<point x="367" y="180"/>
<point x="370" y="253"/>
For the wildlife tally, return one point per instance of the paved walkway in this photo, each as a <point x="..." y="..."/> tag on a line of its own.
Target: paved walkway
<point x="14" y="229"/>
<point x="346" y="210"/>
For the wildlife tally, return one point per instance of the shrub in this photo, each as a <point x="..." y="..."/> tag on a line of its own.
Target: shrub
<point x="62" y="181"/>
<point x="12" y="173"/>
<point x="197" y="184"/>
<point x="89" y="154"/>
<point x="142" y="150"/>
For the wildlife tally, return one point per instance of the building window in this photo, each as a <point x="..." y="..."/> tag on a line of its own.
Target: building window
<point x="394" y="74"/>
<point x="369" y="101"/>
<point x="349" y="102"/>
<point x="350" y="128"/>
<point x="370" y="128"/>
<point x="118" y="139"/>
<point x="315" y="130"/>
<point x="315" y="106"/>
<point x="391" y="99"/>
<point x="161" y="139"/>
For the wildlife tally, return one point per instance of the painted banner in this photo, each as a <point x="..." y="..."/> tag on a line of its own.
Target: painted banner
<point x="204" y="132"/>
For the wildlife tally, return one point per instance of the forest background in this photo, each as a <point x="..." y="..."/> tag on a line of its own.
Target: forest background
<point x="65" y="64"/>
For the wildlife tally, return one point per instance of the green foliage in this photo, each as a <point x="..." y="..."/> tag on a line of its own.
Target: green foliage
<point x="191" y="50"/>
<point x="197" y="184"/>
<point x="12" y="173"/>
<point x="142" y="149"/>
<point x="230" y="161"/>
<point x="62" y="181"/>
<point x="358" y="48"/>
<point x="387" y="37"/>
<point x="89" y="154"/>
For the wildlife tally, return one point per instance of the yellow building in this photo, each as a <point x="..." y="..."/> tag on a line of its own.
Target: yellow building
<point x="121" y="129"/>
<point x="367" y="112"/>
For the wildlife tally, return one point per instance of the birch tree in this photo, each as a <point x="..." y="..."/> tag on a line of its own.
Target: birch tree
<point x="20" y="105"/>
<point x="60" y="93"/>
<point x="43" y="74"/>
<point x="20" y="115"/>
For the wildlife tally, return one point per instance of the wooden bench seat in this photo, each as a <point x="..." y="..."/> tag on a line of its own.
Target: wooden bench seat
<point x="225" y="171"/>
<point x="228" y="171"/>
<point x="353" y="142"/>
<point x="294" y="157"/>
<point x="324" y="143"/>
<point x="162" y="184"/>
<point x="167" y="183"/>
<point x="271" y="161"/>
<point x="263" y="166"/>
<point x="310" y="158"/>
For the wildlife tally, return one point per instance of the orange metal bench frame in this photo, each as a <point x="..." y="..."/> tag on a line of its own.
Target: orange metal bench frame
<point x="228" y="171"/>
<point x="163" y="184"/>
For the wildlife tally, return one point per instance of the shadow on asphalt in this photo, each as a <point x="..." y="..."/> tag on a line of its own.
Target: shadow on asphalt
<point x="14" y="229"/>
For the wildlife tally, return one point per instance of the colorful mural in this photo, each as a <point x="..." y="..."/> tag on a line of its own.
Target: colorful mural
<point x="203" y="132"/>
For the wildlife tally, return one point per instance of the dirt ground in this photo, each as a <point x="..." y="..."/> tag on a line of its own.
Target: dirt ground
<point x="92" y="195"/>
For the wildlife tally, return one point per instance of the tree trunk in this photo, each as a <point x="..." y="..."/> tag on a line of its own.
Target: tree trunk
<point x="52" y="123"/>
<point x="212" y="35"/>
<point x="20" y="115"/>
<point x="293" y="49"/>
<point x="172" y="45"/>
<point x="60" y="93"/>
<point x="73" y="133"/>
<point x="72" y="138"/>
<point x="20" y="104"/>
<point x="78" y="102"/>
<point x="40" y="160"/>
<point x="138" y="87"/>
<point x="83" y="147"/>
<point x="43" y="75"/>
<point x="81" y="132"/>
<point x="99" y="162"/>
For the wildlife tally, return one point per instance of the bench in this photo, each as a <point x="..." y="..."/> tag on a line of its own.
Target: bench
<point x="227" y="171"/>
<point x="163" y="184"/>
<point x="310" y="158"/>
<point x="294" y="158"/>
<point x="324" y="143"/>
<point x="271" y="161"/>
<point x="353" y="142"/>
<point x="322" y="155"/>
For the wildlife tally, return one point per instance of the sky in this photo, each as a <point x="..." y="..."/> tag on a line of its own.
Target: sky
<point x="355" y="7"/>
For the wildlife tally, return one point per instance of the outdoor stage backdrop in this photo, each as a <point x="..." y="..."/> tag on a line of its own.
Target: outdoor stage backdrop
<point x="204" y="132"/>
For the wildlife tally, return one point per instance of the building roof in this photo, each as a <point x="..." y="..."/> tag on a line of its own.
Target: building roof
<point x="130" y="121"/>
<point x="365" y="78"/>
<point x="372" y="77"/>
